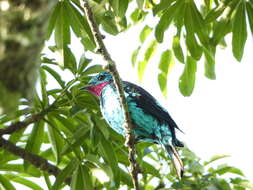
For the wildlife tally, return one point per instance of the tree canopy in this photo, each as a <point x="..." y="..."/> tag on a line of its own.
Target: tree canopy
<point x="60" y="131"/>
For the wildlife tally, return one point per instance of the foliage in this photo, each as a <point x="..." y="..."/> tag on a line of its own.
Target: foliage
<point x="73" y="135"/>
<point x="200" y="27"/>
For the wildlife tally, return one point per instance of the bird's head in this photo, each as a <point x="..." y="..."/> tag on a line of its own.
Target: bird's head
<point x="98" y="82"/>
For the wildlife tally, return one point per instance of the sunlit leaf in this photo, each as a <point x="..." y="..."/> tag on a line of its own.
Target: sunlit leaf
<point x="144" y="33"/>
<point x="216" y="157"/>
<point x="187" y="79"/>
<point x="165" y="65"/>
<point x="178" y="52"/>
<point x="135" y="55"/>
<point x="148" y="54"/>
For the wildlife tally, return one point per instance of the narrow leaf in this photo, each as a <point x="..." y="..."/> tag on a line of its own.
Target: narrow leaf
<point x="55" y="139"/>
<point x="216" y="157"/>
<point x="135" y="56"/>
<point x="23" y="181"/>
<point x="209" y="62"/>
<point x="178" y="52"/>
<point x="249" y="7"/>
<point x="56" y="76"/>
<point x="81" y="179"/>
<point x="166" y="20"/>
<point x="187" y="79"/>
<point x="163" y="4"/>
<point x="52" y="20"/>
<point x="35" y="140"/>
<point x="239" y="31"/>
<point x="6" y="183"/>
<point x="144" y="33"/>
<point x="148" y="54"/>
<point x="66" y="172"/>
<point x="165" y="65"/>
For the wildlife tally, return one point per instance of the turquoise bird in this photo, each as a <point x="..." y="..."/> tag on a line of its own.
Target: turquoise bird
<point x="151" y="122"/>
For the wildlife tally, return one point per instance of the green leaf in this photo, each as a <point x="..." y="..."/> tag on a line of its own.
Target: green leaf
<point x="166" y="20"/>
<point x="77" y="139"/>
<point x="119" y="7"/>
<point x="209" y="62"/>
<point x="23" y="181"/>
<point x="150" y="169"/>
<point x="165" y="65"/>
<point x="239" y="31"/>
<point x="215" y="13"/>
<point x="249" y="7"/>
<point x="66" y="172"/>
<point x="56" y="76"/>
<point x="6" y="183"/>
<point x="32" y="171"/>
<point x="221" y="28"/>
<point x="178" y="52"/>
<point x="109" y="25"/>
<point x="148" y="54"/>
<point x="83" y="63"/>
<point x="108" y="153"/>
<point x="93" y="69"/>
<point x="43" y="83"/>
<point x="144" y="33"/>
<point x="62" y="31"/>
<point x="81" y="27"/>
<point x="216" y="157"/>
<point x="55" y="138"/>
<point x="138" y="15"/>
<point x="135" y="56"/>
<point x="52" y="20"/>
<point x="198" y="22"/>
<point x="81" y="179"/>
<point x="35" y="140"/>
<point x="163" y="4"/>
<point x="223" y="169"/>
<point x="192" y="45"/>
<point x="69" y="60"/>
<point x="187" y="79"/>
<point x="247" y="185"/>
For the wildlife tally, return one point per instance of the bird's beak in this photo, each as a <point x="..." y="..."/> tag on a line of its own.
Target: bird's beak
<point x="86" y="88"/>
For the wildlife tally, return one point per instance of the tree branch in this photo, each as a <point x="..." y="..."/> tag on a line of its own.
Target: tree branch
<point x="34" y="159"/>
<point x="23" y="124"/>
<point x="111" y="66"/>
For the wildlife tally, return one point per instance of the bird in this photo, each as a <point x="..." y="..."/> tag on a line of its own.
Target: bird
<point x="151" y="122"/>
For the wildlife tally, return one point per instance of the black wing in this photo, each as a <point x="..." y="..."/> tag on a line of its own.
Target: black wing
<point x="148" y="104"/>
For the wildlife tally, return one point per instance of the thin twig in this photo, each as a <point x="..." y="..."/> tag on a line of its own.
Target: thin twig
<point x="23" y="124"/>
<point x="130" y="140"/>
<point x="34" y="159"/>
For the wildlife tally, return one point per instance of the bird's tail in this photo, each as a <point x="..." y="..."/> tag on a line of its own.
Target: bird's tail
<point x="176" y="161"/>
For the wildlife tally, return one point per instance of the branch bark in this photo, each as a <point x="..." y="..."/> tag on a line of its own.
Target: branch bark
<point x="34" y="159"/>
<point x="111" y="66"/>
<point x="23" y="124"/>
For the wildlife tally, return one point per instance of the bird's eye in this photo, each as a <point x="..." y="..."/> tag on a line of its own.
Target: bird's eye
<point x="101" y="77"/>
